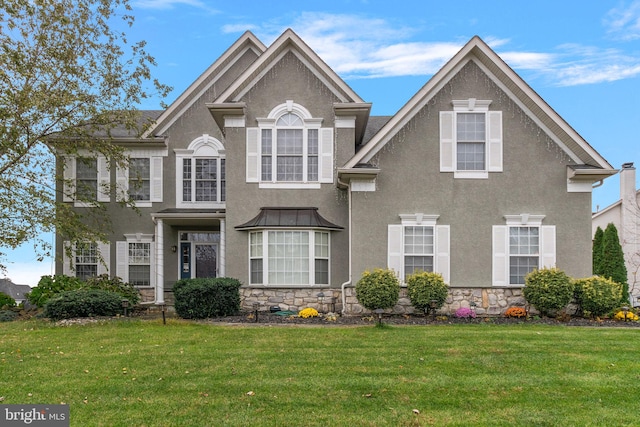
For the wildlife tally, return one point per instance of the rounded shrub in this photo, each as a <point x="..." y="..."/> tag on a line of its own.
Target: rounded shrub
<point x="548" y="290"/>
<point x="8" y="315"/>
<point x="6" y="301"/>
<point x="51" y="286"/>
<point x="424" y="287"/>
<point x="116" y="285"/>
<point x="207" y="297"/>
<point x="83" y="303"/>
<point x="597" y="295"/>
<point x="378" y="289"/>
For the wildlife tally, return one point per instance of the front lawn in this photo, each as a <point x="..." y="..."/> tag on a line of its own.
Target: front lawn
<point x="144" y="373"/>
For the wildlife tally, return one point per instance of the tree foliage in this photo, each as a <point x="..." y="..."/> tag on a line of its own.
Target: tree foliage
<point x="597" y="251"/>
<point x="68" y="78"/>
<point x="613" y="266"/>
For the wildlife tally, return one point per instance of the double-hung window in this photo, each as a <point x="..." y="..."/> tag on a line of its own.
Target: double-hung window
<point x="289" y="257"/>
<point x="200" y="174"/>
<point x="86" y="180"/>
<point x="471" y="139"/>
<point x="135" y="260"/>
<point x="521" y="246"/>
<point x="290" y="149"/>
<point x="418" y="244"/>
<point x="140" y="179"/>
<point x="85" y="260"/>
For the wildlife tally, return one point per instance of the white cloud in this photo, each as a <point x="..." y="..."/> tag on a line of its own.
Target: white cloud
<point x="624" y="22"/>
<point x="170" y="4"/>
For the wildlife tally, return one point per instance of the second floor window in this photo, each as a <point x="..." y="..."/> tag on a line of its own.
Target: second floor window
<point x="203" y="180"/>
<point x="87" y="178"/>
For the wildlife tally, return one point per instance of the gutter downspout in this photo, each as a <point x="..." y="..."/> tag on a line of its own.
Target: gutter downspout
<point x="348" y="282"/>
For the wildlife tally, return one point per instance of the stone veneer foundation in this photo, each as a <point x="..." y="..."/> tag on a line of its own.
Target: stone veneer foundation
<point x="489" y="301"/>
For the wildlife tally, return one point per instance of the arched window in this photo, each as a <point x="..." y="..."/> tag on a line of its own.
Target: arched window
<point x="201" y="173"/>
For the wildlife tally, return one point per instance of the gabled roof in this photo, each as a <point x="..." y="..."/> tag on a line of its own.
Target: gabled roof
<point x="17" y="292"/>
<point x="517" y="89"/>
<point x="287" y="42"/>
<point x="247" y="42"/>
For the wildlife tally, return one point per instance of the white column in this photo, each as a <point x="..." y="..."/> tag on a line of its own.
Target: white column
<point x="223" y="248"/>
<point x="159" y="262"/>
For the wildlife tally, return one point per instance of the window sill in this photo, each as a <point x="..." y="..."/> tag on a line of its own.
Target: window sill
<point x="291" y="185"/>
<point x="471" y="174"/>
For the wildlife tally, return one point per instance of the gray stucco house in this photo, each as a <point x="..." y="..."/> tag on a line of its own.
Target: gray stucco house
<point x="270" y="169"/>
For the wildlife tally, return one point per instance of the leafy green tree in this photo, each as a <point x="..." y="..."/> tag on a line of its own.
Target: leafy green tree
<point x="613" y="266"/>
<point x="597" y="251"/>
<point x="68" y="77"/>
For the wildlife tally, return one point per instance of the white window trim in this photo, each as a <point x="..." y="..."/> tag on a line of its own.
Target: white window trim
<point x="500" y="246"/>
<point x="156" y="177"/>
<point x="441" y="244"/>
<point x="325" y="149"/>
<point x="103" y="251"/>
<point x="265" y="258"/>
<point x="122" y="257"/>
<point x="103" y="177"/>
<point x="493" y="139"/>
<point x="203" y="147"/>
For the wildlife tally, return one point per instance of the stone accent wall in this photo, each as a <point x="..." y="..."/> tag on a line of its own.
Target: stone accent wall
<point x="147" y="294"/>
<point x="489" y="301"/>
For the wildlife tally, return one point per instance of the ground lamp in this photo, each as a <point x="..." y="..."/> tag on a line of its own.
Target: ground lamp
<point x="256" y="307"/>
<point x="379" y="312"/>
<point x="434" y="305"/>
<point x="163" y="308"/>
<point x="125" y="305"/>
<point x="321" y="300"/>
<point x="473" y="306"/>
<point x="625" y="309"/>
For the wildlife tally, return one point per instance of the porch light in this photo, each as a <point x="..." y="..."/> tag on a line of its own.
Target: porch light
<point x="174" y="248"/>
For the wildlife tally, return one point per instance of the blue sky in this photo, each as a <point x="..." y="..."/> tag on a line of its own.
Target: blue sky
<point x="583" y="58"/>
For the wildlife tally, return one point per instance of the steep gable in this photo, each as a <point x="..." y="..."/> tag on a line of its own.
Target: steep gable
<point x="519" y="92"/>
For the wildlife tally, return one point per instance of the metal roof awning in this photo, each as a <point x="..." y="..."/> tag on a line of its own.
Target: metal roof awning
<point x="288" y="217"/>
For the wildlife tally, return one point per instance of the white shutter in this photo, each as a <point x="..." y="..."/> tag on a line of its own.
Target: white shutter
<point x="494" y="141"/>
<point x="500" y="255"/>
<point x="104" y="179"/>
<point x="548" y="246"/>
<point x="152" y="273"/>
<point x="69" y="177"/>
<point x="104" y="249"/>
<point x="443" y="252"/>
<point x="122" y="183"/>
<point x="67" y="264"/>
<point x="122" y="261"/>
<point x="395" y="258"/>
<point x="156" y="179"/>
<point x="325" y="167"/>
<point x="253" y="155"/>
<point x="447" y="141"/>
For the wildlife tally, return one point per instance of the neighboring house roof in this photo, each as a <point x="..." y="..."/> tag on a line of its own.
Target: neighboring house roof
<point x="611" y="207"/>
<point x="17" y="292"/>
<point x="517" y="89"/>
<point x="289" y="218"/>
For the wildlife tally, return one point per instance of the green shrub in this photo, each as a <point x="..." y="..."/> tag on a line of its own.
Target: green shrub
<point x="597" y="295"/>
<point x="50" y="286"/>
<point x="206" y="297"/>
<point x="424" y="287"/>
<point x="378" y="289"/>
<point x="6" y="301"/>
<point x="548" y="290"/>
<point x="8" y="316"/>
<point x="83" y="303"/>
<point x="116" y="285"/>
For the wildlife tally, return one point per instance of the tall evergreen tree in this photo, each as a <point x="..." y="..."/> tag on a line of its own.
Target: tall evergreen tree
<point x="613" y="260"/>
<point x="597" y="252"/>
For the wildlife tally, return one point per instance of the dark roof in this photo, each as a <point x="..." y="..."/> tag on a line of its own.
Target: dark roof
<point x="374" y="124"/>
<point x="287" y="217"/>
<point x="17" y="292"/>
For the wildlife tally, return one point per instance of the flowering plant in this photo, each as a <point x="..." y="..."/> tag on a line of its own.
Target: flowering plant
<point x="308" y="312"/>
<point x="630" y="316"/>
<point x="515" y="312"/>
<point x="465" y="313"/>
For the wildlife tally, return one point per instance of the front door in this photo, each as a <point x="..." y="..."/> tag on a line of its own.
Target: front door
<point x="198" y="255"/>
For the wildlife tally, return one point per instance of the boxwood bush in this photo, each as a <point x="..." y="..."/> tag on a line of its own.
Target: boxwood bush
<point x="83" y="303"/>
<point x="207" y="297"/>
<point x="378" y="289"/>
<point x="597" y="295"/>
<point x="424" y="287"/>
<point x="116" y="285"/>
<point x="548" y="290"/>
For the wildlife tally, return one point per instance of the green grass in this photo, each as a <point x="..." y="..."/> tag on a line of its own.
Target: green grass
<point x="144" y="373"/>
